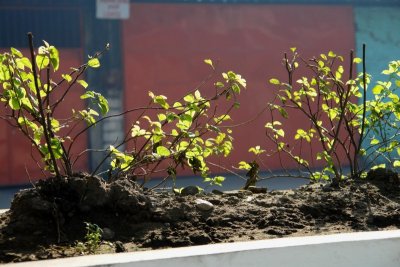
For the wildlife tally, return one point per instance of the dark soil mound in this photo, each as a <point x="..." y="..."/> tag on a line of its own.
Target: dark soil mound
<point x="47" y="221"/>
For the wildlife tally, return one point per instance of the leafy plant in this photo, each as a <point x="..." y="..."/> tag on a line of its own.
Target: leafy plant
<point x="185" y="132"/>
<point x="182" y="133"/>
<point x="382" y="121"/>
<point x="92" y="239"/>
<point x="343" y="129"/>
<point x="32" y="98"/>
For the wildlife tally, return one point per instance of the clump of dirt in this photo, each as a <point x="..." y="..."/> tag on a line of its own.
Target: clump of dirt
<point x="48" y="220"/>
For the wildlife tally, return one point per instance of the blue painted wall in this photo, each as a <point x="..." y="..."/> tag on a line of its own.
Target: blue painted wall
<point x="379" y="29"/>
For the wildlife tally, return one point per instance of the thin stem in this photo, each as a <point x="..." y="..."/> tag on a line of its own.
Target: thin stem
<point x="364" y="101"/>
<point x="43" y="120"/>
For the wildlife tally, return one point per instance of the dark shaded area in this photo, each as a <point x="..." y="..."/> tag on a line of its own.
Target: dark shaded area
<point x="58" y="26"/>
<point x="46" y="221"/>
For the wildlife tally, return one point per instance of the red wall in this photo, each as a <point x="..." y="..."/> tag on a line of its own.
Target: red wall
<point x="165" y="45"/>
<point x="15" y="153"/>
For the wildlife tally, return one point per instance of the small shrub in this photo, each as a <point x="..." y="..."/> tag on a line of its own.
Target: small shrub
<point x="185" y="132"/>
<point x="29" y="95"/>
<point x="342" y="130"/>
<point x="92" y="239"/>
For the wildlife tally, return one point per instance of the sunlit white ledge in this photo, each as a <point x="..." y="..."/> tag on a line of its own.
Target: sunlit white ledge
<point x="364" y="249"/>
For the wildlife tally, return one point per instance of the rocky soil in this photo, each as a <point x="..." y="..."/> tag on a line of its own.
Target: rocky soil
<point x="48" y="221"/>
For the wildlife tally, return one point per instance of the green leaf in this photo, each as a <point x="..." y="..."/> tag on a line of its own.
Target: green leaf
<point x="83" y="83"/>
<point x="94" y="63"/>
<point x="396" y="163"/>
<point x="170" y="116"/>
<point x="161" y="100"/>
<point x="256" y="150"/>
<point x="67" y="77"/>
<point x="103" y="104"/>
<point x="87" y="94"/>
<point x="374" y="141"/>
<point x="178" y="190"/>
<point x="283" y="112"/>
<point x="236" y="88"/>
<point x="183" y="146"/>
<point x="174" y="132"/>
<point x="163" y="151"/>
<point x="379" y="166"/>
<point x="161" y="117"/>
<point x="189" y="98"/>
<point x="93" y="112"/>
<point x="16" y="52"/>
<point x="55" y="125"/>
<point x="185" y="117"/>
<point x="280" y="132"/>
<point x="332" y="113"/>
<point x="274" y="81"/>
<point x="219" y="84"/>
<point x="26" y="62"/>
<point x="357" y="60"/>
<point x="244" y="166"/>
<point x="136" y="131"/>
<point x="218" y="180"/>
<point x="209" y="62"/>
<point x="197" y="95"/>
<point x="54" y="57"/>
<point x="56" y="147"/>
<point x="14" y="104"/>
<point x="42" y="61"/>
<point x="377" y="89"/>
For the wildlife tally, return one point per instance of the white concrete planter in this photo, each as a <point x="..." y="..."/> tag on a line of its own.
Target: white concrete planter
<point x="366" y="249"/>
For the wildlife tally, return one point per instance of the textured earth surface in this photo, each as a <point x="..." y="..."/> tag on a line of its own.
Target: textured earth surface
<point x="49" y="220"/>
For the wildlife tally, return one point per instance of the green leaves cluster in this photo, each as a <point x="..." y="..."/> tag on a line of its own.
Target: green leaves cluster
<point x="189" y="132"/>
<point x="182" y="133"/>
<point x="343" y="125"/>
<point x="29" y="94"/>
<point x="382" y="120"/>
<point x="92" y="239"/>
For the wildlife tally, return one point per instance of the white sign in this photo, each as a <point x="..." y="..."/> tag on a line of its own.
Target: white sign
<point x="112" y="9"/>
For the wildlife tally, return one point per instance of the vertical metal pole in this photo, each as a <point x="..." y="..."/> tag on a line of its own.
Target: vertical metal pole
<point x="108" y="80"/>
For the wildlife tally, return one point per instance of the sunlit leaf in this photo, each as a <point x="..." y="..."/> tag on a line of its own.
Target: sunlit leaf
<point x="94" y="63"/>
<point x="42" y="61"/>
<point x="67" y="77"/>
<point x="54" y="57"/>
<point x="16" y="52"/>
<point x="209" y="62"/>
<point x="377" y="89"/>
<point x="374" y="141"/>
<point x="83" y="83"/>
<point x="331" y="54"/>
<point x="274" y="81"/>
<point x="163" y="151"/>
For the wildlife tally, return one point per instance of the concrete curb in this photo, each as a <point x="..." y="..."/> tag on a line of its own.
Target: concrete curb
<point x="365" y="249"/>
